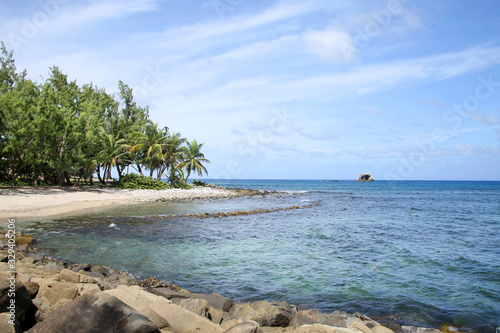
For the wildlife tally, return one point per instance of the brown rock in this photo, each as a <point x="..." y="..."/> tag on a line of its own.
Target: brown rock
<point x="95" y="312"/>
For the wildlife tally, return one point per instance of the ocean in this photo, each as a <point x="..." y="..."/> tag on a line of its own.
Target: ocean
<point x="424" y="252"/>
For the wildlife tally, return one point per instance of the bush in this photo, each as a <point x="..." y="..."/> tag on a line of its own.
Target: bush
<point x="197" y="182"/>
<point x="134" y="181"/>
<point x="182" y="185"/>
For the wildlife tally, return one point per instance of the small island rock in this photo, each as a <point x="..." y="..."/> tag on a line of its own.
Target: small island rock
<point x="366" y="177"/>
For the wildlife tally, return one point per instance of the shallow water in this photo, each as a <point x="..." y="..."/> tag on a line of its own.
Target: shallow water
<point x="426" y="252"/>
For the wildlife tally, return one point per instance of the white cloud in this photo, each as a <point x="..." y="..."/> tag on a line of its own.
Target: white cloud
<point x="331" y="45"/>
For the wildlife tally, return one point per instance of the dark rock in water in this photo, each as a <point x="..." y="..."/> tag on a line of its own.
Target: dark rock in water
<point x="95" y="312"/>
<point x="366" y="177"/>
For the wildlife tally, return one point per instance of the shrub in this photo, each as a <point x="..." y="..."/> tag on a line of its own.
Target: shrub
<point x="134" y="181"/>
<point x="197" y="182"/>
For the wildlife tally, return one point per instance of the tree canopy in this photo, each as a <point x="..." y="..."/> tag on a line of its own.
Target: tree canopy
<point x="57" y="130"/>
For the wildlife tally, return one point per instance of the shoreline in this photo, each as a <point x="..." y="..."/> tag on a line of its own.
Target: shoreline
<point x="52" y="290"/>
<point x="28" y="204"/>
<point x="97" y="199"/>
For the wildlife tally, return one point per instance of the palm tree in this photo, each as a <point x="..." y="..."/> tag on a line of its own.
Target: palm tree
<point x="110" y="155"/>
<point x="175" y="176"/>
<point x="153" y="143"/>
<point x="175" y="150"/>
<point x="193" y="159"/>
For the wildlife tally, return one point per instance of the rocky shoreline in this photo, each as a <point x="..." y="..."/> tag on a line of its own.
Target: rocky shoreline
<point x="53" y="295"/>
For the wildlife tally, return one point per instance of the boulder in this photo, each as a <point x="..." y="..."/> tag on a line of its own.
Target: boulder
<point x="10" y="285"/>
<point x="366" y="177"/>
<point x="264" y="313"/>
<point x="95" y="312"/>
<point x="32" y="288"/>
<point x="360" y="326"/>
<point x="169" y="293"/>
<point x="216" y="300"/>
<point x="217" y="316"/>
<point x="70" y="276"/>
<point x="6" y="325"/>
<point x="179" y="319"/>
<point x="198" y="306"/>
<point x="245" y="327"/>
<point x="319" y="328"/>
<point x="55" y="291"/>
<point x="313" y="316"/>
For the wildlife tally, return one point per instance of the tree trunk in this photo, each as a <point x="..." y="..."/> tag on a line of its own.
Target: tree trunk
<point x="98" y="170"/>
<point x="140" y="169"/>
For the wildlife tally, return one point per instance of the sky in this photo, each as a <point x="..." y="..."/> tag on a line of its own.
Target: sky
<point x="318" y="89"/>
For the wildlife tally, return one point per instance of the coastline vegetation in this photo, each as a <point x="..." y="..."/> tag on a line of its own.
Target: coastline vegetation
<point x="56" y="131"/>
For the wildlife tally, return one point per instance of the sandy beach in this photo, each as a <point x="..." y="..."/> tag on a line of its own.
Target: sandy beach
<point x="25" y="204"/>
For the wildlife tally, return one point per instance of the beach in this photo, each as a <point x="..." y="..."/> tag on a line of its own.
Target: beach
<point x="25" y="204"/>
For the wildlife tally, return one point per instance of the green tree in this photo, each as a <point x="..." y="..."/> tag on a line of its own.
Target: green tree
<point x="151" y="145"/>
<point x="111" y="154"/>
<point x="193" y="159"/>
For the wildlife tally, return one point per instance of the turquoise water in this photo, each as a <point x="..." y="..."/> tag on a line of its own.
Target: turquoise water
<point x="424" y="251"/>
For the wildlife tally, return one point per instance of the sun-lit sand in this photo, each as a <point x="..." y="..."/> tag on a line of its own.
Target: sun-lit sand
<point x="25" y="204"/>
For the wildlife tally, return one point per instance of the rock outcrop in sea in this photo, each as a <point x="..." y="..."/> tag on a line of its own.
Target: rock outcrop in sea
<point x="58" y="296"/>
<point x="366" y="177"/>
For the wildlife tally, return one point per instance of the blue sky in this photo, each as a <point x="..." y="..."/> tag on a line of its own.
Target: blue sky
<point x="290" y="89"/>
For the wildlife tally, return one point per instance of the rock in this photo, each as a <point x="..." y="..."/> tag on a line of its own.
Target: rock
<point x="244" y="327"/>
<point x="55" y="291"/>
<point x="381" y="329"/>
<point x="8" y="286"/>
<point x="70" y="276"/>
<point x="84" y="288"/>
<point x="143" y="302"/>
<point x="95" y="312"/>
<point x="217" y="316"/>
<point x="44" y="308"/>
<point x="391" y="324"/>
<point x="179" y="319"/>
<point x="313" y="316"/>
<point x="169" y="293"/>
<point x="319" y="328"/>
<point x="32" y="288"/>
<point x="366" y="177"/>
<point x="416" y="329"/>
<point x="360" y="326"/>
<point x="6" y="325"/>
<point x="264" y="313"/>
<point x="198" y="306"/>
<point x="216" y="300"/>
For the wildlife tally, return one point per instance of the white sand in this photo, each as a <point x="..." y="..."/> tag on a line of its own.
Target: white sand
<point x="32" y="204"/>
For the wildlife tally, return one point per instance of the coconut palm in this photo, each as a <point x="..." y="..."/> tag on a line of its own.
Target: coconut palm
<point x="153" y="144"/>
<point x="110" y="155"/>
<point x="175" y="150"/>
<point x="193" y="159"/>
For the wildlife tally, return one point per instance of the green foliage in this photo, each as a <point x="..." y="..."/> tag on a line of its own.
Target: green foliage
<point x="56" y="130"/>
<point x="133" y="181"/>
<point x="197" y="182"/>
<point x="182" y="185"/>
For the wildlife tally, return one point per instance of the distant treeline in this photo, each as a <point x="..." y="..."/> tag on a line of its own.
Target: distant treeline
<point x="57" y="130"/>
